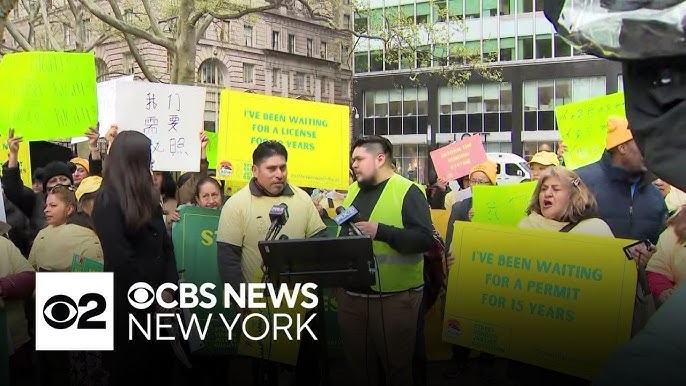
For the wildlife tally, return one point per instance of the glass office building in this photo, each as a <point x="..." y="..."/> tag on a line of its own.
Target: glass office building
<point x="539" y="71"/>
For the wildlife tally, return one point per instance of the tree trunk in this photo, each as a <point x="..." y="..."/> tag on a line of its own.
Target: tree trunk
<point x="6" y="6"/>
<point x="184" y="60"/>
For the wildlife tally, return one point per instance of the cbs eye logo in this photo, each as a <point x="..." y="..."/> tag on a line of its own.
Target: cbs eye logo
<point x="141" y="295"/>
<point x="61" y="312"/>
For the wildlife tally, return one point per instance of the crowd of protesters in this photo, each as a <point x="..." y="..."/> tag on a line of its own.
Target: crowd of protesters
<point x="121" y="213"/>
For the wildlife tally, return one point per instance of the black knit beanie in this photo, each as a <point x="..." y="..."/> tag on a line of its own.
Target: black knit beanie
<point x="54" y="169"/>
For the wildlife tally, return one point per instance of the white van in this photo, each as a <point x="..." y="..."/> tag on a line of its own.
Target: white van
<point x="512" y="169"/>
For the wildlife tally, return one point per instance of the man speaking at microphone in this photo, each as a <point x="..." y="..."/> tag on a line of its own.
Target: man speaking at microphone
<point x="245" y="218"/>
<point x="380" y="323"/>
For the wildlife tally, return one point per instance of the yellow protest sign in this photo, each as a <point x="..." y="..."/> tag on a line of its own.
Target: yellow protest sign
<point x="556" y="300"/>
<point x="48" y="95"/>
<point x="315" y="134"/>
<point x="583" y="127"/>
<point x="502" y="205"/>
<point x="24" y="158"/>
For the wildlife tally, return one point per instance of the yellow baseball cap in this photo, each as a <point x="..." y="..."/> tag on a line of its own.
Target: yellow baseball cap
<point x="82" y="162"/>
<point x="88" y="185"/>
<point x="545" y="158"/>
<point x="490" y="169"/>
<point x="617" y="131"/>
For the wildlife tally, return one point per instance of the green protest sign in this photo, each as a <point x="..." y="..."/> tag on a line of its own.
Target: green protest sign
<point x="583" y="127"/>
<point x="501" y="205"/>
<point x="86" y="264"/>
<point x="4" y="350"/>
<point x="53" y="94"/>
<point x="211" y="149"/>
<point x="195" y="246"/>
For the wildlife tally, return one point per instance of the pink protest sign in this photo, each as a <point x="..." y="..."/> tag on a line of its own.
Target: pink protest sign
<point x="455" y="160"/>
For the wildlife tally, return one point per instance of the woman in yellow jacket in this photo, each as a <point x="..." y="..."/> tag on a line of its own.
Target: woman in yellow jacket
<point x="56" y="245"/>
<point x="53" y="251"/>
<point x="562" y="202"/>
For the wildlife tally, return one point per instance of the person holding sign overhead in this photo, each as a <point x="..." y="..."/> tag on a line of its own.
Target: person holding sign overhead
<point x="629" y="203"/>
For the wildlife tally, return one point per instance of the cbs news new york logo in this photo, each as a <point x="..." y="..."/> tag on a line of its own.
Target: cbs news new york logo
<point x="74" y="311"/>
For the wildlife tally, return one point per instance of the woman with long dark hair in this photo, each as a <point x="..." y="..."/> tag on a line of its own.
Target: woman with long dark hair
<point x="127" y="216"/>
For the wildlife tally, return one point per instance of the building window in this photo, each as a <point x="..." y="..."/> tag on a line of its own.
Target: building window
<point x="396" y="112"/>
<point x="475" y="108"/>
<point x="620" y="83"/>
<point x="346" y="21"/>
<point x="291" y="43"/>
<point x="211" y="73"/>
<point x="275" y="40"/>
<point x="248" y="73"/>
<point x="324" y="50"/>
<point x="309" y="47"/>
<point x="325" y="86"/>
<point x="544" y="48"/>
<point x="299" y="81"/>
<point x="411" y="161"/>
<point x="170" y="60"/>
<point x="345" y="52"/>
<point x="542" y="96"/>
<point x="87" y="28"/>
<point x="128" y="65"/>
<point x="307" y="83"/>
<point x="276" y="77"/>
<point x="247" y="33"/>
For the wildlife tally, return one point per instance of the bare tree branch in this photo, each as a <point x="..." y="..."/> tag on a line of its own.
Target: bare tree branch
<point x="204" y="25"/>
<point x="48" y="26"/>
<point x="314" y="16"/>
<point x="6" y="6"/>
<point x="100" y="40"/>
<point x="18" y="37"/>
<point x="154" y="22"/>
<point x="131" y="43"/>
<point x="118" y="23"/>
<point x="196" y="15"/>
<point x="247" y="11"/>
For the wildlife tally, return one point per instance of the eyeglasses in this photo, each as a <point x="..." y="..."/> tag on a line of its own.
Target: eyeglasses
<point x="479" y="182"/>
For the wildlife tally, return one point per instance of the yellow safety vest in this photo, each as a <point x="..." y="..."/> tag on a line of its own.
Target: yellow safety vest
<point x="395" y="272"/>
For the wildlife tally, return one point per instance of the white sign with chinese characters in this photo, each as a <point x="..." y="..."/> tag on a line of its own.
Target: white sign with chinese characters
<point x="3" y="217"/>
<point x="170" y="115"/>
<point x="107" y="95"/>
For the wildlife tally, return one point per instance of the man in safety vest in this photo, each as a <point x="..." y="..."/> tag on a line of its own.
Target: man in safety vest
<point x="380" y="322"/>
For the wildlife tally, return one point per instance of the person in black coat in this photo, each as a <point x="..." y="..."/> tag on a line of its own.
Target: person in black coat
<point x="127" y="217"/>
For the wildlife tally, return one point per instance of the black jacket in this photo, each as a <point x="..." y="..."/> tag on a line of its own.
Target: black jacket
<point x="133" y="256"/>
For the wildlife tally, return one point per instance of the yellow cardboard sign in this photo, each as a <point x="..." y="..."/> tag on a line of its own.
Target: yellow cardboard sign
<point x="583" y="127"/>
<point x="316" y="136"/>
<point x="48" y="95"/>
<point x="556" y="300"/>
<point x="24" y="158"/>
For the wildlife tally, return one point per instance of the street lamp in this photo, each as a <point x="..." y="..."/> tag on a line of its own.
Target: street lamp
<point x="357" y="114"/>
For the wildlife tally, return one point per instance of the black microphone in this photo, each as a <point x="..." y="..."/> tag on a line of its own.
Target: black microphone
<point x="278" y="215"/>
<point x="348" y="216"/>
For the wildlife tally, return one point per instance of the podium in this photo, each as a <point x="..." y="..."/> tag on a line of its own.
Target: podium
<point x="327" y="262"/>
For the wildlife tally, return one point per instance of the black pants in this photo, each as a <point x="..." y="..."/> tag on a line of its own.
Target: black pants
<point x="419" y="369"/>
